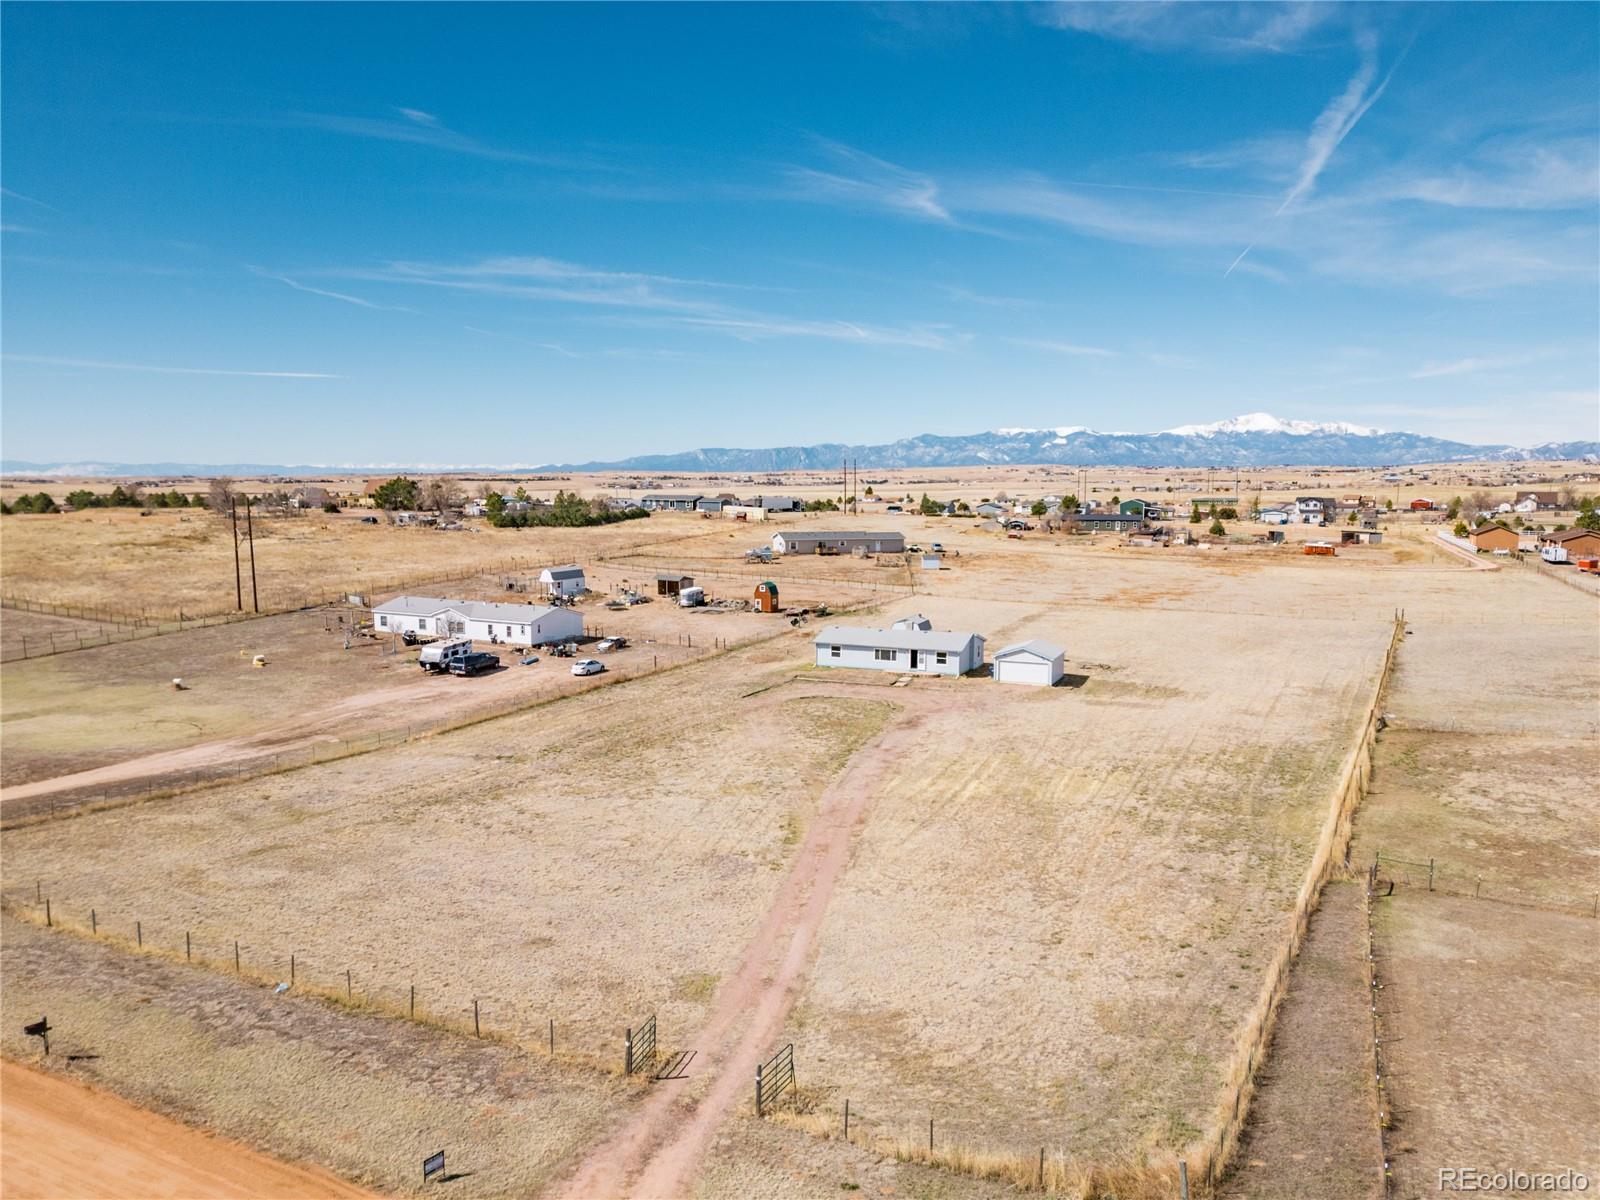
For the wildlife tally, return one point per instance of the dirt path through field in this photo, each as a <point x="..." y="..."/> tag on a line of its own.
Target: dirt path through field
<point x="657" y="1153"/>
<point x="63" y="1138"/>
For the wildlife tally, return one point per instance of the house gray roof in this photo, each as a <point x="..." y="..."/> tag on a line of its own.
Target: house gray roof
<point x="570" y="571"/>
<point x="475" y="610"/>
<point x="895" y="639"/>
<point x="1035" y="646"/>
<point x="831" y="534"/>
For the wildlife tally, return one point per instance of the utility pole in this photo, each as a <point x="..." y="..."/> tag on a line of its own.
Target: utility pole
<point x="238" y="581"/>
<point x="250" y="532"/>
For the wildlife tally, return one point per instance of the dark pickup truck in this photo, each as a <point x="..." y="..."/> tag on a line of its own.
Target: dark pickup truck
<point x="474" y="664"/>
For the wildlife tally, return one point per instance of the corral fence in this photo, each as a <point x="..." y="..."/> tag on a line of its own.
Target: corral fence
<point x="39" y="645"/>
<point x="757" y="574"/>
<point x="1389" y="873"/>
<point x="1568" y="574"/>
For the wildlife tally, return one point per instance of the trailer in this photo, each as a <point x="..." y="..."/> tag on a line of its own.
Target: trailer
<point x="438" y="657"/>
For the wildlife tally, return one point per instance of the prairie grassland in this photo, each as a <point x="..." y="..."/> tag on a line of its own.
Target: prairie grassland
<point x="74" y="711"/>
<point x="591" y="861"/>
<point x="1490" y="1000"/>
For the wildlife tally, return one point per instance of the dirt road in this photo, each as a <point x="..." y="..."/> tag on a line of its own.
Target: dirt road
<point x="658" y="1151"/>
<point x="62" y="1138"/>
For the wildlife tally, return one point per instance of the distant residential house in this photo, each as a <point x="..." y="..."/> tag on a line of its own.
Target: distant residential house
<point x="990" y="509"/>
<point x="1527" y="502"/>
<point x="1578" y="543"/>
<point x="513" y="624"/>
<point x="923" y="651"/>
<point x="1276" y="516"/>
<point x="1109" y="522"/>
<point x="669" y="502"/>
<point x="1494" y="536"/>
<point x="308" y="497"/>
<point x="710" y="504"/>
<point x="806" y="542"/>
<point x="778" y="503"/>
<point x="1422" y="504"/>
<point x="565" y="580"/>
<point x="1315" y="510"/>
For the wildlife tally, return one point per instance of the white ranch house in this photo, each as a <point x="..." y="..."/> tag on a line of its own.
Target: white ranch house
<point x="924" y="651"/>
<point x="563" y="581"/>
<point x="512" y="624"/>
<point x="1035" y="662"/>
<point x="798" y="542"/>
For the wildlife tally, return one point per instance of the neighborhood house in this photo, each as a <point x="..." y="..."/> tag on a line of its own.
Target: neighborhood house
<point x="910" y="649"/>
<point x="843" y="543"/>
<point x="513" y="624"/>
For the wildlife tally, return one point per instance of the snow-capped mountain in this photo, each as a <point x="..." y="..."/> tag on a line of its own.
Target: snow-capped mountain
<point x="1251" y="440"/>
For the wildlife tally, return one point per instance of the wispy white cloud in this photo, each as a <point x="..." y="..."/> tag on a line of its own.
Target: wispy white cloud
<point x="1071" y="349"/>
<point x="10" y="227"/>
<point x="1331" y="128"/>
<point x="316" y="291"/>
<point x="15" y="195"/>
<point x="859" y="178"/>
<point x="1520" y="174"/>
<point x="1182" y="25"/>
<point x="93" y="364"/>
<point x="1468" y="366"/>
<point x="752" y="328"/>
<point x="419" y="128"/>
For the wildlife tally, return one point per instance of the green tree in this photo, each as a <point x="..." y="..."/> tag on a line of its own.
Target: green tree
<point x="1228" y="513"/>
<point x="1388" y="503"/>
<point x="868" y="491"/>
<point x="522" y="494"/>
<point x="1461" y="529"/>
<point x="494" y="504"/>
<point x="930" y="508"/>
<point x="1454" y="510"/>
<point x="399" y="492"/>
<point x="83" y="498"/>
<point x="963" y="506"/>
<point x="329" y="506"/>
<point x="1194" y="513"/>
<point x="1589" y="519"/>
<point x="1039" y="508"/>
<point x="1069" y="503"/>
<point x="1115" y="500"/>
<point x="1216" y="529"/>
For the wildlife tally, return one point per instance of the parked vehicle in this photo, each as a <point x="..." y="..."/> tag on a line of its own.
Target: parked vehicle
<point x="691" y="597"/>
<point x="588" y="666"/>
<point x="761" y="554"/>
<point x="440" y="656"/>
<point x="611" y="643"/>
<point x="474" y="664"/>
<point x="369" y="520"/>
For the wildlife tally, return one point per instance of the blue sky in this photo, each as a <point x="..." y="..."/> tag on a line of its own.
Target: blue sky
<point x="498" y="234"/>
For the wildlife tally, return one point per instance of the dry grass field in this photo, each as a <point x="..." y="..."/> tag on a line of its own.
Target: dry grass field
<point x="74" y="712"/>
<point x="1490" y="997"/>
<point x="1054" y="908"/>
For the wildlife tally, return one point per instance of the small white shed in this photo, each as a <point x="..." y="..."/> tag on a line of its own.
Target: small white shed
<point x="1040" y="664"/>
<point x="563" y="581"/>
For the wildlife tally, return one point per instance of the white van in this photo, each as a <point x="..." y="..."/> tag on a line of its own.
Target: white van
<point x="438" y="656"/>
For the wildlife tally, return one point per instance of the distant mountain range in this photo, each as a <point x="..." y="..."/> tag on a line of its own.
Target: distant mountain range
<point x="1252" y="440"/>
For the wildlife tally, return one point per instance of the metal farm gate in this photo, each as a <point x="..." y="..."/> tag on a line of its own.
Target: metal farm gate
<point x="773" y="1078"/>
<point x="639" y="1048"/>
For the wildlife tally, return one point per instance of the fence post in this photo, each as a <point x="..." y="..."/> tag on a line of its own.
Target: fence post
<point x="758" y="1089"/>
<point x="188" y="947"/>
<point x="475" y="1032"/>
<point x="930" y="1137"/>
<point x="552" y="1037"/>
<point x="47" y="920"/>
<point x="1183" y="1178"/>
<point x="94" y="924"/>
<point x="138" y="932"/>
<point x="847" y="1120"/>
<point x="1430" y="874"/>
<point x="413" y="1002"/>
<point x="291" y="969"/>
<point x="349" y="992"/>
<point x="235" y="956"/>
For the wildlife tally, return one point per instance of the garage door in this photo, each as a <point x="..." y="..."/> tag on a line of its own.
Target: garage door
<point x="1024" y="670"/>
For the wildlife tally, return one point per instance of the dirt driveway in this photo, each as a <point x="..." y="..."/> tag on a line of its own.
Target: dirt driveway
<point x="64" y="1138"/>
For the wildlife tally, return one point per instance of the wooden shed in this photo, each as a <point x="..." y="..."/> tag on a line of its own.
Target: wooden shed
<point x="670" y="583"/>
<point x="767" y="596"/>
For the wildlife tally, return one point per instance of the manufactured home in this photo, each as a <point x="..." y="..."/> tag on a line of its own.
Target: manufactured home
<point x="512" y="624"/>
<point x="924" y="651"/>
<point x="822" y="541"/>
<point x="669" y="502"/>
<point x="1038" y="663"/>
<point x="563" y="581"/>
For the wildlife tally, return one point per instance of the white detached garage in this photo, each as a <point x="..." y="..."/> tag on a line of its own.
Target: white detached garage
<point x="1041" y="664"/>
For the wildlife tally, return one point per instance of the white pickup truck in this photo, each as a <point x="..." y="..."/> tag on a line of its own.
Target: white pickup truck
<point x="438" y="656"/>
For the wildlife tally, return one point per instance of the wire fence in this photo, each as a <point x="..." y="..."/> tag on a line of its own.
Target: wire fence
<point x="1389" y="874"/>
<point x="121" y="625"/>
<point x="593" y="1042"/>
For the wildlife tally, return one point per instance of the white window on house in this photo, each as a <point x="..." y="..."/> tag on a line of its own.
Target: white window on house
<point x="884" y="655"/>
<point x="833" y="652"/>
<point x="941" y="658"/>
<point x="383" y="621"/>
